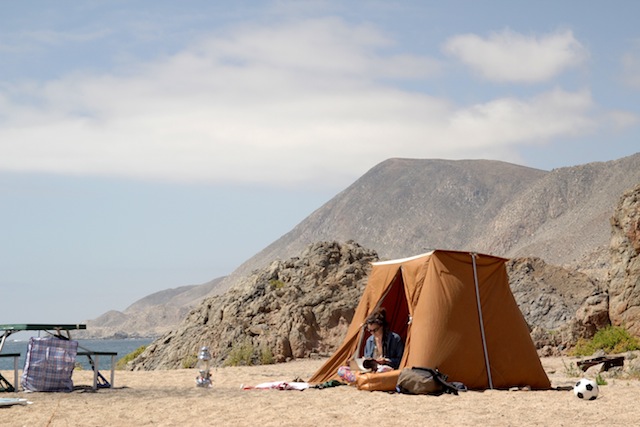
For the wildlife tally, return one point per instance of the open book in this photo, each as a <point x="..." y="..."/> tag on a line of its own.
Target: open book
<point x="363" y="364"/>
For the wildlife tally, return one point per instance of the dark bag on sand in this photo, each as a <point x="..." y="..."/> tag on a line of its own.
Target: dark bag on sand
<point x="424" y="381"/>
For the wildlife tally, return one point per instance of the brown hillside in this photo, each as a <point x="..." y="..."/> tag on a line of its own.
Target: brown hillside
<point x="404" y="207"/>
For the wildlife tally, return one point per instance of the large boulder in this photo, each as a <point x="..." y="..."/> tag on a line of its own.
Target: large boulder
<point x="548" y="296"/>
<point x="624" y="284"/>
<point x="560" y="305"/>
<point x="291" y="309"/>
<point x="304" y="305"/>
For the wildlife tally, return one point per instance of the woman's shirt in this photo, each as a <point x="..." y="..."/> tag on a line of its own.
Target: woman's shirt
<point x="392" y="348"/>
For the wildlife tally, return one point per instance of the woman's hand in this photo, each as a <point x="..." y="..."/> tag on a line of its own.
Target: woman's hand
<point x="383" y="361"/>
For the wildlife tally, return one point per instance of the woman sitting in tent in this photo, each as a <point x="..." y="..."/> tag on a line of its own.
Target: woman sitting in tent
<point x="382" y="351"/>
<point x="384" y="346"/>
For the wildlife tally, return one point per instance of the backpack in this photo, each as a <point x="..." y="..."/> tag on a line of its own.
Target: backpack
<point x="418" y="380"/>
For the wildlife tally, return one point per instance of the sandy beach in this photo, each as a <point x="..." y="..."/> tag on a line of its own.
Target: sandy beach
<point x="170" y="398"/>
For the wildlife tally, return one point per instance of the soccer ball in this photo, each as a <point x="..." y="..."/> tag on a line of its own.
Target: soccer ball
<point x="586" y="389"/>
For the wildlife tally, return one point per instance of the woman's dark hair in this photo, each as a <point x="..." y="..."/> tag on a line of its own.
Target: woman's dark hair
<point x="378" y="316"/>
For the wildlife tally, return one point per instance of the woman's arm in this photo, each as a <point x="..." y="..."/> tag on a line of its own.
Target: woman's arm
<point x="368" y="347"/>
<point x="395" y="349"/>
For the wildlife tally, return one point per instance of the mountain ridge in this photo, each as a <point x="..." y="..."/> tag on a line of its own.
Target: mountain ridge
<point x="402" y="207"/>
<point x="537" y="213"/>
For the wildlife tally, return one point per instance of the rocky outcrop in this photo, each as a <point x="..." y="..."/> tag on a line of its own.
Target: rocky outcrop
<point x="592" y="315"/>
<point x="560" y="305"/>
<point x="548" y="296"/>
<point x="290" y="309"/>
<point x="624" y="285"/>
<point x="619" y="302"/>
<point x="303" y="306"/>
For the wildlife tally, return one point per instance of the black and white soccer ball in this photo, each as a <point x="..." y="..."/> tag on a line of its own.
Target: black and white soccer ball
<point x="586" y="389"/>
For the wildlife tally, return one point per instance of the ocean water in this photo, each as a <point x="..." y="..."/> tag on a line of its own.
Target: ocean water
<point x="122" y="347"/>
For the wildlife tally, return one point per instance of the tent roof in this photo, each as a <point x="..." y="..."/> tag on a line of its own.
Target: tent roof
<point x="402" y="260"/>
<point x="429" y="254"/>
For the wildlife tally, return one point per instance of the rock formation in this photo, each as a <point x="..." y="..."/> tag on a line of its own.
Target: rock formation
<point x="624" y="285"/>
<point x="290" y="309"/>
<point x="548" y="296"/>
<point x="303" y="306"/>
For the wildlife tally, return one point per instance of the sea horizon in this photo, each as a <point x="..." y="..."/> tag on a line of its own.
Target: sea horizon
<point x="121" y="346"/>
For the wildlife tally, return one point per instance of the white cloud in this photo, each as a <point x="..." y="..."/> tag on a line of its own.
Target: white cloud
<point x="303" y="104"/>
<point x="508" y="56"/>
<point x="325" y="47"/>
<point x="507" y="121"/>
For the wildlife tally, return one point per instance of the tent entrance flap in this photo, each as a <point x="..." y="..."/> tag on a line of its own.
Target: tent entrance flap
<point x="394" y="301"/>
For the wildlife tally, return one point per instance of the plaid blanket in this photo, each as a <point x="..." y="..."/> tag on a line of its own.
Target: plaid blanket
<point x="49" y="364"/>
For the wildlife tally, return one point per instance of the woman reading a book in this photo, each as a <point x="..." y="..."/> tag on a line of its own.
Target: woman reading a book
<point x="383" y="346"/>
<point x="382" y="351"/>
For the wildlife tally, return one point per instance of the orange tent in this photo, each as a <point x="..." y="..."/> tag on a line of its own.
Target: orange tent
<point x="456" y="312"/>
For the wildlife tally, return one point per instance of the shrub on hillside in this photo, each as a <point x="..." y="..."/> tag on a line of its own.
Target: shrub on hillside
<point x="240" y="354"/>
<point x="612" y="339"/>
<point x="122" y="363"/>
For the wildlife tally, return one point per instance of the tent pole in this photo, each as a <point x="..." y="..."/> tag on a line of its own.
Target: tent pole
<point x="484" y="340"/>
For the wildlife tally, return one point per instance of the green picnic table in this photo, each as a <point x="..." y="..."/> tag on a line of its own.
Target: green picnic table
<point x="53" y="329"/>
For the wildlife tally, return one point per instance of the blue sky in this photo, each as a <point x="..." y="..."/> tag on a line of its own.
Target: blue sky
<point x="153" y="144"/>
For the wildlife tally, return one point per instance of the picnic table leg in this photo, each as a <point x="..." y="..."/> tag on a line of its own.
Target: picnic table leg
<point x="112" y="368"/>
<point x="95" y="372"/>
<point x="15" y="374"/>
<point x="5" y="385"/>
